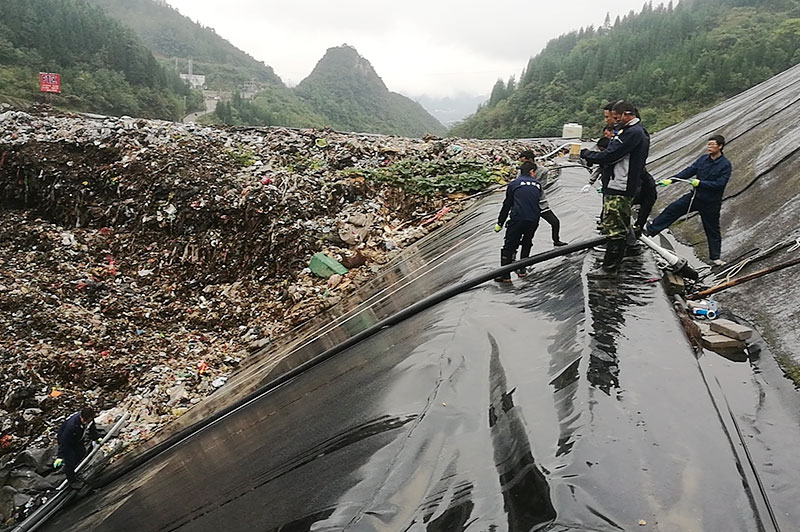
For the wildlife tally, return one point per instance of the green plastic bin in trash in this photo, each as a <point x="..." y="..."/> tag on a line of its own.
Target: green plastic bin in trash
<point x="324" y="266"/>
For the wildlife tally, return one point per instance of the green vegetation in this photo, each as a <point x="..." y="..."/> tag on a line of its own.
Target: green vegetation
<point x="242" y="156"/>
<point x="103" y="66"/>
<point x="347" y="91"/>
<point x="171" y="36"/>
<point x="275" y="106"/>
<point x="671" y="62"/>
<point x="426" y="178"/>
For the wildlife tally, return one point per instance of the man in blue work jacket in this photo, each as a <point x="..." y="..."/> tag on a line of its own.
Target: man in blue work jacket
<point x="522" y="203"/>
<point x="708" y="176"/>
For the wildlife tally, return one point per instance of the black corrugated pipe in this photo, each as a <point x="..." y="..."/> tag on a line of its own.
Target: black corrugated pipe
<point x="417" y="307"/>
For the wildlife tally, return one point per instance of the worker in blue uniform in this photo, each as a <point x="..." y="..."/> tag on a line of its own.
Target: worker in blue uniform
<point x="708" y="176"/>
<point x="521" y="209"/>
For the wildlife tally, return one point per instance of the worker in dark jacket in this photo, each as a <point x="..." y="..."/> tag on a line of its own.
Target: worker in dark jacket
<point x="623" y="163"/>
<point x="708" y="176"/>
<point x="545" y="212"/>
<point x="522" y="203"/>
<point x="70" y="443"/>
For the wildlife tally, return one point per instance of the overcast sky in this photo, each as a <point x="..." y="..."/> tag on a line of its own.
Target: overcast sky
<point x="433" y="47"/>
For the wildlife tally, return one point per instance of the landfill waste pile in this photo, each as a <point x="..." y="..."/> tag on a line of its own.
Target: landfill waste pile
<point x="142" y="262"/>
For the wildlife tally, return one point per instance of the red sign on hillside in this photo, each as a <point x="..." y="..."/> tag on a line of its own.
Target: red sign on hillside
<point x="49" y="82"/>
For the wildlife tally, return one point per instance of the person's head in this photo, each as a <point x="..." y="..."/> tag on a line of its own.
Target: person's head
<point x="624" y="112"/>
<point x="607" y="115"/>
<point x="714" y="145"/>
<point x="528" y="168"/>
<point x="602" y="144"/>
<point x="527" y="155"/>
<point x="608" y="132"/>
<point x="87" y="414"/>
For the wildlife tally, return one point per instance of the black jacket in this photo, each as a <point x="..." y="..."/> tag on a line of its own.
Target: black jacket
<point x="70" y="435"/>
<point x="623" y="161"/>
<point x="522" y="200"/>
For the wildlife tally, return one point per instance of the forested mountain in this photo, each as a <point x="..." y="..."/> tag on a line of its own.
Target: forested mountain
<point x="171" y="36"/>
<point x="339" y="93"/>
<point x="103" y="66"/>
<point x="349" y="93"/>
<point x="672" y="62"/>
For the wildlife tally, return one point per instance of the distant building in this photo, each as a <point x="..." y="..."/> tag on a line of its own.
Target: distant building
<point x="250" y="88"/>
<point x="195" y="81"/>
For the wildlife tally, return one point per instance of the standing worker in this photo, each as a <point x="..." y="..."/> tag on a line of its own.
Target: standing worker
<point x="522" y="202"/>
<point x="70" y="443"/>
<point x="623" y="163"/>
<point x="708" y="176"/>
<point x="545" y="212"/>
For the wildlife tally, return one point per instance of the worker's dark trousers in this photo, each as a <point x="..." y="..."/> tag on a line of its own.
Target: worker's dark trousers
<point x="555" y="225"/>
<point x="646" y="199"/>
<point x="72" y="457"/>
<point x="518" y="232"/>
<point x="709" y="214"/>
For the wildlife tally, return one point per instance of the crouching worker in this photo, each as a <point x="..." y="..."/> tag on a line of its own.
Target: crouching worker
<point x="70" y="443"/>
<point x="522" y="202"/>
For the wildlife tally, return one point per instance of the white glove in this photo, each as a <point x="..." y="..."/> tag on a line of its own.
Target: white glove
<point x="586" y="188"/>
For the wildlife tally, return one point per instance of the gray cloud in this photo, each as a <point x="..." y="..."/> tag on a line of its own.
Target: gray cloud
<point x="436" y="47"/>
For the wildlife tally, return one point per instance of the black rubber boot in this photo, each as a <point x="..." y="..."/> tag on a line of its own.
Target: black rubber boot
<point x="504" y="261"/>
<point x="615" y="252"/>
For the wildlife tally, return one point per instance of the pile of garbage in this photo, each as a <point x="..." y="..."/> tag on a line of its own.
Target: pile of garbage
<point x="143" y="261"/>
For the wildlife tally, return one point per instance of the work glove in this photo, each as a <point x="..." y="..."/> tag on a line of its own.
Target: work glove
<point x="665" y="182"/>
<point x="586" y="188"/>
<point x="583" y="153"/>
<point x="57" y="463"/>
<point x="497" y="228"/>
<point x="694" y="182"/>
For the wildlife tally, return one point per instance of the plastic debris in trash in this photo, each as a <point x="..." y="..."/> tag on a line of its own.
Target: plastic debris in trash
<point x="219" y="381"/>
<point x="704" y="308"/>
<point x="202" y="367"/>
<point x="324" y="266"/>
<point x="438" y="216"/>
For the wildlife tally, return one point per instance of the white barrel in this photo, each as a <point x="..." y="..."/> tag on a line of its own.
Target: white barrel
<point x="572" y="131"/>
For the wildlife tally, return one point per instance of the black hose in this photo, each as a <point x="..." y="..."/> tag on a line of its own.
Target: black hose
<point x="394" y="319"/>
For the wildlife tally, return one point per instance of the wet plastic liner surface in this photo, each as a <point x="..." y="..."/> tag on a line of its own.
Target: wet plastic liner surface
<point x="559" y="402"/>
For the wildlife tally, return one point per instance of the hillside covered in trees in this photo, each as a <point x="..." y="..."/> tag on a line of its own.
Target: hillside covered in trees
<point x="671" y="61"/>
<point x="343" y="92"/>
<point x="103" y="66"/>
<point x="172" y="36"/>
<point x="345" y="88"/>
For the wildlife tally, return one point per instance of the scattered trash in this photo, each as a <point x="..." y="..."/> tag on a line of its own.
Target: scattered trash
<point x="704" y="308"/>
<point x="143" y="261"/>
<point x="323" y="266"/>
